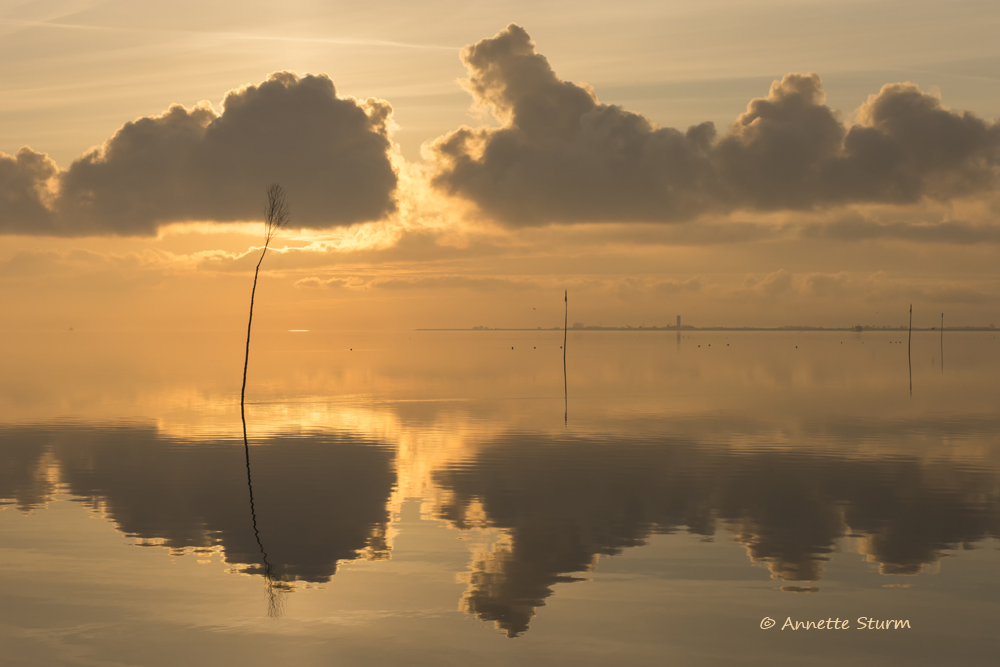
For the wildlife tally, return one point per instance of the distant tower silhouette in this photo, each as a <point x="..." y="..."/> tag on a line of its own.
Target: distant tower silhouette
<point x="678" y="322"/>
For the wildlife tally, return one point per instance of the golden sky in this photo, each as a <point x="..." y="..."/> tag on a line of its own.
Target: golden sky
<point x="760" y="164"/>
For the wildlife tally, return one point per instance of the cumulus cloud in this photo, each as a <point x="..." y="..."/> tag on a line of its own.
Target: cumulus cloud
<point x="331" y="154"/>
<point x="562" y="156"/>
<point x="26" y="190"/>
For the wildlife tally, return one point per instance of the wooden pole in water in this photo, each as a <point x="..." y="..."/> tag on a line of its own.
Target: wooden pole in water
<point x="942" y="343"/>
<point x="909" y="333"/>
<point x="909" y="340"/>
<point x="565" y="324"/>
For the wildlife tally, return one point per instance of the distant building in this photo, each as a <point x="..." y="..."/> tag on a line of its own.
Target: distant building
<point x="678" y="321"/>
<point x="577" y="325"/>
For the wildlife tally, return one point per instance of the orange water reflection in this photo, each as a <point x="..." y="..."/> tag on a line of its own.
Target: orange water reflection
<point x="793" y="452"/>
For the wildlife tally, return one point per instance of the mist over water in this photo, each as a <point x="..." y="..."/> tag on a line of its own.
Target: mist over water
<point x="447" y="490"/>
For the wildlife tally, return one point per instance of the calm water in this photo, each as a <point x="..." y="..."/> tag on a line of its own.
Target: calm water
<point x="443" y="498"/>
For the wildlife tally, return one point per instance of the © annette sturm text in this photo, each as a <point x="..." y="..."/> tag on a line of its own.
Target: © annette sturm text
<point x="862" y="623"/>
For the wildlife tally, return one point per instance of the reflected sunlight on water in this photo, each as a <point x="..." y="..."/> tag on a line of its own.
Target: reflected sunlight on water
<point x="418" y="478"/>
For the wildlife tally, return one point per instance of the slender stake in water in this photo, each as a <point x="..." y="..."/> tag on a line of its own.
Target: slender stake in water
<point x="909" y="338"/>
<point x="275" y="218"/>
<point x="942" y="343"/>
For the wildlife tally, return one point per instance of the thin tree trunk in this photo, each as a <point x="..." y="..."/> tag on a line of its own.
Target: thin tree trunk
<point x="273" y="606"/>
<point x="246" y="359"/>
<point x="275" y="219"/>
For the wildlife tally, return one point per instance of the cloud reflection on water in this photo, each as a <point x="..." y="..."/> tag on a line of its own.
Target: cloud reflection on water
<point x="559" y="502"/>
<point x="793" y="445"/>
<point x="564" y="502"/>
<point x="320" y="498"/>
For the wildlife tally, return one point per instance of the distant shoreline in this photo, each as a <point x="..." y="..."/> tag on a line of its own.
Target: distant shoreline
<point x="690" y="328"/>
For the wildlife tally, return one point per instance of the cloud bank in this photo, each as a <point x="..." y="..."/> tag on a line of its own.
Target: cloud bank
<point x="562" y="156"/>
<point x="559" y="156"/>
<point x="332" y="155"/>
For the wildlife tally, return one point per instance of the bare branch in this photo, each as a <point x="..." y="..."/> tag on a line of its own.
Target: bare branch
<point x="276" y="214"/>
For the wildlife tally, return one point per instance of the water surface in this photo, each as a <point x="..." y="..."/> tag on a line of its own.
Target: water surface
<point x="444" y="498"/>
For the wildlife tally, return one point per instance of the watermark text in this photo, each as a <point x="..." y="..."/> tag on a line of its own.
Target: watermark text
<point x="861" y="623"/>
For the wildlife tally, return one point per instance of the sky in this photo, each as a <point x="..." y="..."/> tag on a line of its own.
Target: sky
<point x="455" y="164"/>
